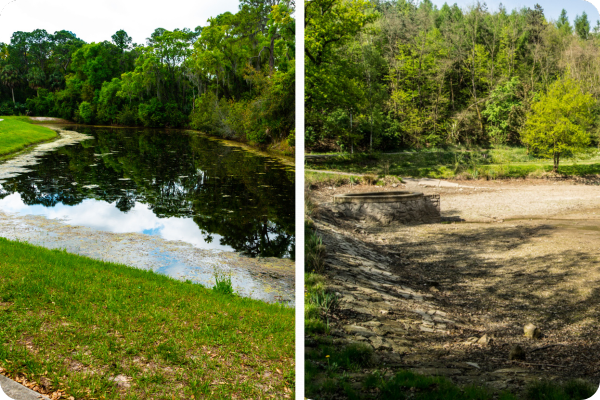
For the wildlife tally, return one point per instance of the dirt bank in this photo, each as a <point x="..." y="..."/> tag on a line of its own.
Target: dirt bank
<point x="421" y="296"/>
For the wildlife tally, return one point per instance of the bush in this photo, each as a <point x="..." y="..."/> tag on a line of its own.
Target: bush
<point x="7" y="108"/>
<point x="128" y="116"/>
<point x="151" y="114"/>
<point x="86" y="112"/>
<point x="369" y="179"/>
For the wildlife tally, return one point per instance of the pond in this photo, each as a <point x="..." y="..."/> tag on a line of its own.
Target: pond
<point x="173" y="184"/>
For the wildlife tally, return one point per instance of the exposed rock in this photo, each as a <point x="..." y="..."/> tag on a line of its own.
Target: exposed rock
<point x="471" y="340"/>
<point x="532" y="332"/>
<point x="516" y="353"/>
<point x="510" y="371"/>
<point x="437" y="371"/>
<point x="484" y="340"/>
<point x="379" y="344"/>
<point x="358" y="330"/>
<point x="497" y="385"/>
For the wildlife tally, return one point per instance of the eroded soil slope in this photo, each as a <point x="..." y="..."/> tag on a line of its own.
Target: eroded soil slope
<point x="452" y="298"/>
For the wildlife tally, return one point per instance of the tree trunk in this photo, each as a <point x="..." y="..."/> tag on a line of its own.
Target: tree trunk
<point x="272" y="56"/>
<point x="351" y="138"/>
<point x="13" y="95"/>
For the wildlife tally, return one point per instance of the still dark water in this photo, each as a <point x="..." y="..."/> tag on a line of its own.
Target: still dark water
<point x="178" y="185"/>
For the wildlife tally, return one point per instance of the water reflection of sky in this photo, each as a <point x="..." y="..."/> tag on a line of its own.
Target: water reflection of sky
<point x="106" y="216"/>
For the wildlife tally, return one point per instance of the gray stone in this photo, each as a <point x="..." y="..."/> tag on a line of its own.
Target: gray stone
<point x="379" y="344"/>
<point x="532" y="332"/>
<point x="17" y="391"/>
<point x="498" y="385"/>
<point x="437" y="371"/>
<point x="510" y="371"/>
<point x="358" y="330"/>
<point x="484" y="340"/>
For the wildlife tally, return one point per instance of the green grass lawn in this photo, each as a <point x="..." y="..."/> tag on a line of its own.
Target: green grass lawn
<point x="505" y="162"/>
<point x="70" y="324"/>
<point x="16" y="133"/>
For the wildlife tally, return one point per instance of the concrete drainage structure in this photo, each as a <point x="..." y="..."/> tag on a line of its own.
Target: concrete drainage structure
<point x="385" y="208"/>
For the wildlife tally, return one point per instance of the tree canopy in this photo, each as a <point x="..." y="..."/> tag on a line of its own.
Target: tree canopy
<point x="233" y="77"/>
<point x="406" y="74"/>
<point x="559" y="121"/>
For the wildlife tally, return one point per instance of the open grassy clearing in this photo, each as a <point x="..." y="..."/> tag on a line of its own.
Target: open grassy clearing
<point x="505" y="162"/>
<point x="86" y="329"/>
<point x="16" y="133"/>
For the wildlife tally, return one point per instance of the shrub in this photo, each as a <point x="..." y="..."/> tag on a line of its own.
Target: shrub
<point x="369" y="179"/>
<point x="128" y="116"/>
<point x="86" y="112"/>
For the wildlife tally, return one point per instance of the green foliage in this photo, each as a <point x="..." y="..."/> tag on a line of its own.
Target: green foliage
<point x="504" y="112"/>
<point x="86" y="112"/>
<point x="582" y="26"/>
<point x="417" y="76"/>
<point x="223" y="283"/>
<point x="558" y="121"/>
<point x="245" y="60"/>
<point x="563" y="22"/>
<point x="570" y="390"/>
<point x="314" y="252"/>
<point x="156" y="114"/>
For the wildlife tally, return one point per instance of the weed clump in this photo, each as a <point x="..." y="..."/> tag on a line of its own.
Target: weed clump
<point x="223" y="283"/>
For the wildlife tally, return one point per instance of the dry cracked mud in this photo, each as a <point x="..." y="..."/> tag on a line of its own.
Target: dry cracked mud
<point x="452" y="298"/>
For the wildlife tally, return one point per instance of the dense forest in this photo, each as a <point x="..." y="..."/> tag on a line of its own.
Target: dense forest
<point x="233" y="78"/>
<point x="384" y="75"/>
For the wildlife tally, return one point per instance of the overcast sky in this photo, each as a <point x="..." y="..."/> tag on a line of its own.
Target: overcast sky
<point x="552" y="8"/>
<point x="98" y="20"/>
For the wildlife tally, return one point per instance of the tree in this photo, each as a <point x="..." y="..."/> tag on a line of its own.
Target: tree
<point x="121" y="39"/>
<point x="558" y="121"/>
<point x="503" y="111"/>
<point x="332" y="80"/>
<point x="10" y="77"/>
<point x="582" y="26"/>
<point x="563" y="23"/>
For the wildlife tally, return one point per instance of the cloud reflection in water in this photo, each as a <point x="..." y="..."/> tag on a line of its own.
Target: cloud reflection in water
<point x="100" y="215"/>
